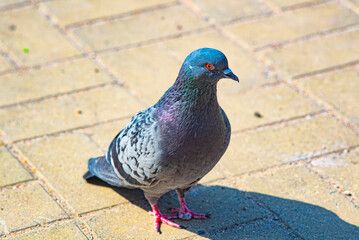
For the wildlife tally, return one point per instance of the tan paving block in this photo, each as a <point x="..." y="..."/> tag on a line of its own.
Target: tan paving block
<point x="227" y="206"/>
<point x="343" y="169"/>
<point x="288" y="3"/>
<point x="11" y="171"/>
<point x="150" y="71"/>
<point x="66" y="231"/>
<point x="249" y="71"/>
<point x="65" y="77"/>
<point x="307" y="57"/>
<point x="291" y="25"/>
<point x="103" y="134"/>
<point x="4" y="64"/>
<point x="272" y="103"/>
<point x="4" y="3"/>
<point x="232" y="9"/>
<point x="29" y="33"/>
<point x="339" y="89"/>
<point x="66" y="112"/>
<point x="306" y="203"/>
<point x="69" y="11"/>
<point x="27" y="206"/>
<point x="141" y="27"/>
<point x="63" y="161"/>
<point x="356" y="2"/>
<point x="299" y="140"/>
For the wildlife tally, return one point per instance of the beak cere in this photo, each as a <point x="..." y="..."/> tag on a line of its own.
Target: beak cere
<point x="229" y="74"/>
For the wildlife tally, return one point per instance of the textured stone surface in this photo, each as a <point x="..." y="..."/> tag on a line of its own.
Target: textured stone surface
<point x="291" y="25"/>
<point x="63" y="161"/>
<point x="220" y="201"/>
<point x="138" y="28"/>
<point x="66" y="112"/>
<point x="356" y="2"/>
<point x="250" y="72"/>
<point x="65" y="77"/>
<point x="103" y="134"/>
<point x="288" y="3"/>
<point x="299" y="140"/>
<point x="273" y="103"/>
<point x="318" y="54"/>
<point x="339" y="89"/>
<point x="11" y="171"/>
<point x="308" y="205"/>
<point x="260" y="229"/>
<point x="4" y="3"/>
<point x="4" y="64"/>
<point x="232" y="9"/>
<point x="67" y="231"/>
<point x="27" y="206"/>
<point x="28" y="33"/>
<point x="70" y="11"/>
<point x="343" y="169"/>
<point x="146" y="73"/>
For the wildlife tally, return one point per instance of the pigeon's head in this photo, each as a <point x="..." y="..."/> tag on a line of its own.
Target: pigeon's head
<point x="207" y="65"/>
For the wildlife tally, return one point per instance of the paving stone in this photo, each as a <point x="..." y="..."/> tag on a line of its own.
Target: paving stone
<point x="356" y="2"/>
<point x="306" y="203"/>
<point x="11" y="171"/>
<point x="76" y="110"/>
<point x="227" y="206"/>
<point x="342" y="169"/>
<point x="146" y="72"/>
<point x="66" y="231"/>
<point x="26" y="207"/>
<point x="138" y="28"/>
<point x="339" y="89"/>
<point x="288" y="3"/>
<point x="319" y="54"/>
<point x="272" y="146"/>
<point x="103" y="134"/>
<point x="4" y="3"/>
<point x="232" y="9"/>
<point x="65" y="77"/>
<point x="69" y="11"/>
<point x="249" y="71"/>
<point x="291" y="25"/>
<point x="29" y="31"/>
<point x="4" y="64"/>
<point x="63" y="161"/>
<point x="255" y="230"/>
<point x="263" y="105"/>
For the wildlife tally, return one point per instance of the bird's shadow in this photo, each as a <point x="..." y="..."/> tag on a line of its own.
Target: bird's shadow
<point x="237" y="214"/>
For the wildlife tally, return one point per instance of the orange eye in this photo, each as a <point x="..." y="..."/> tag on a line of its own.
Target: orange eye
<point x="209" y="66"/>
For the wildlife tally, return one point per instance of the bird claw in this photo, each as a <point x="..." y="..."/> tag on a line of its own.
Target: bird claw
<point x="186" y="214"/>
<point x="163" y="218"/>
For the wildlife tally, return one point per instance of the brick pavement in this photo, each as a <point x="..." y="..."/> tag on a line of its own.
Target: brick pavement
<point x="291" y="171"/>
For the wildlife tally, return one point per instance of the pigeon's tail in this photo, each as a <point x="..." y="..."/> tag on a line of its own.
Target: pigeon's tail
<point x="100" y="168"/>
<point x="88" y="175"/>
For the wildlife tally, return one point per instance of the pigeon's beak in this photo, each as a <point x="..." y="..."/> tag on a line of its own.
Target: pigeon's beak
<point x="229" y="74"/>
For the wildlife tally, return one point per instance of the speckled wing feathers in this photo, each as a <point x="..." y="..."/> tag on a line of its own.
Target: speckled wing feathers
<point x="134" y="152"/>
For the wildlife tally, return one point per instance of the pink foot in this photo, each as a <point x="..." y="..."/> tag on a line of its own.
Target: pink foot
<point x="163" y="218"/>
<point x="185" y="213"/>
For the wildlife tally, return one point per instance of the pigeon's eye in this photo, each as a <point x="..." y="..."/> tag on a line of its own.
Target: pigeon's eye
<point x="209" y="66"/>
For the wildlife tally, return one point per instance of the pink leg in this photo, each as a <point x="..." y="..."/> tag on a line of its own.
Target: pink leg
<point x="163" y="218"/>
<point x="184" y="212"/>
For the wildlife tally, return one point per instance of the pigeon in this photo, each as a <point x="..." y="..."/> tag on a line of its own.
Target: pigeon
<point x="174" y="143"/>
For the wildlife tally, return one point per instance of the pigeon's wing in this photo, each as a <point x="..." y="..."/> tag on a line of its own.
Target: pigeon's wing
<point x="227" y="129"/>
<point x="134" y="153"/>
